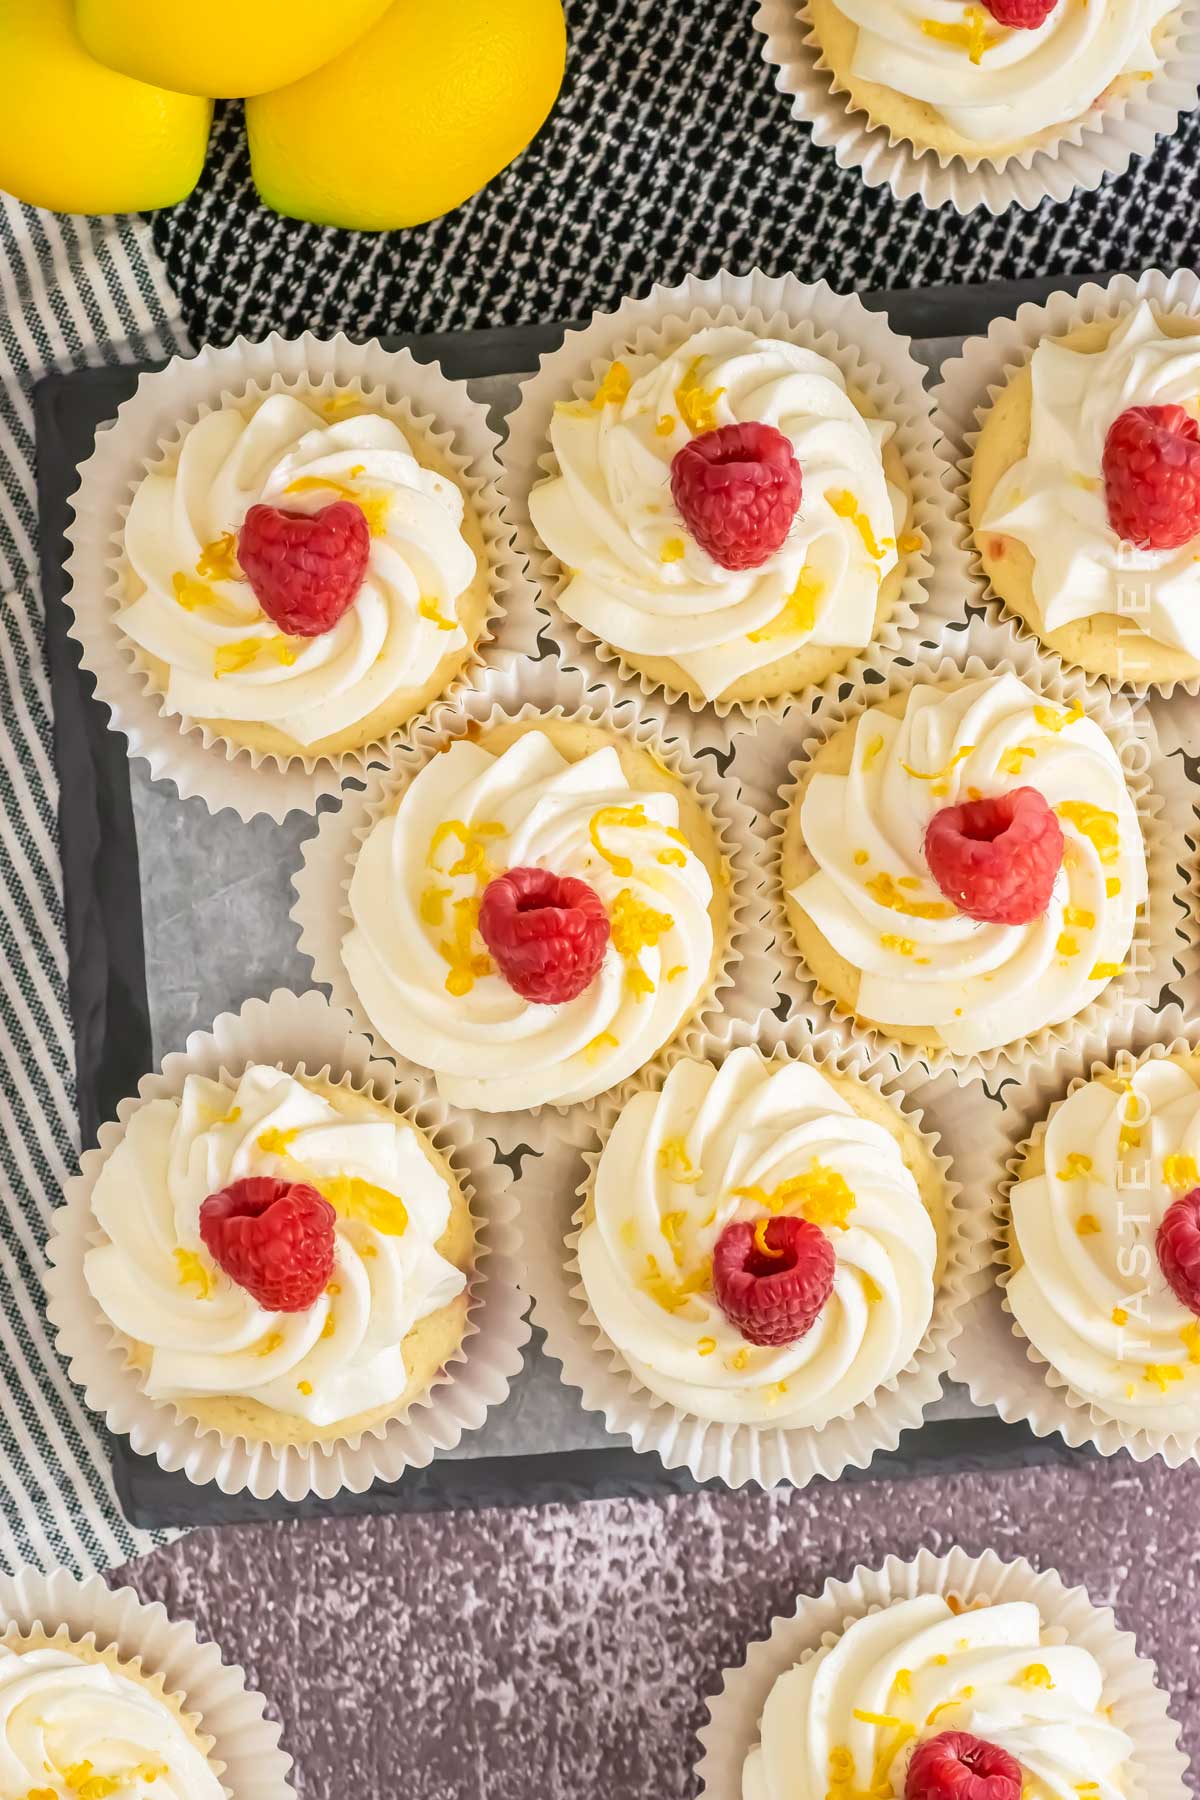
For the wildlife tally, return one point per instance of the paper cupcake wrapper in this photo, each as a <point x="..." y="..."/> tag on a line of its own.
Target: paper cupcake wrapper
<point x="984" y="649"/>
<point x="970" y="382"/>
<point x="1103" y="143"/>
<point x="245" y="1750"/>
<point x="197" y="759"/>
<point x="998" y="1363"/>
<point x="875" y="360"/>
<point x="302" y="1033"/>
<point x="737" y="1454"/>
<point x="1157" y="1769"/>
<point x="744" y="987"/>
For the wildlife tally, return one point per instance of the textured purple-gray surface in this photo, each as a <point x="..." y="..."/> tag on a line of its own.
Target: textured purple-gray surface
<point x="567" y="1651"/>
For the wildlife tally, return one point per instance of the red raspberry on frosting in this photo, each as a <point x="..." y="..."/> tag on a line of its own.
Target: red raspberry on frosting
<point x="956" y="1766"/>
<point x="1179" y="1249"/>
<point x="547" y="933"/>
<point x="737" y="489"/>
<point x="1151" y="470"/>
<point x="996" y="858"/>
<point x="274" y="1238"/>
<point x="305" y="568"/>
<point x="772" y="1278"/>
<point x="1020" y="15"/>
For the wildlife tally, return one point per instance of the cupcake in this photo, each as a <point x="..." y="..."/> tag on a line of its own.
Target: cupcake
<point x="1085" y="508"/>
<point x="763" y="1243"/>
<point x="1103" y="1245"/>
<point x="302" y="572"/>
<point x="731" y="515"/>
<point x="81" y="1723"/>
<point x="537" y="912"/>
<point x="282" y="1260"/>
<point x="927" y="1698"/>
<point x="992" y="81"/>
<point x="963" y="865"/>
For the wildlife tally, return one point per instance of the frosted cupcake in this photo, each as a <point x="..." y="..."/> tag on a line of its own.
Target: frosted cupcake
<point x="927" y="1699"/>
<point x="81" y="1723"/>
<point x="1085" y="495"/>
<point x="303" y="574"/>
<point x="1103" y="1245"/>
<point x="284" y="1261"/>
<point x="764" y="1243"/>
<point x="730" y="515"/>
<point x="541" y="909"/>
<point x="988" y="81"/>
<point x="962" y="865"/>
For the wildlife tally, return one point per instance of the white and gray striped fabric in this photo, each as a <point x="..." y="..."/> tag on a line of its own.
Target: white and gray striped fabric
<point x="72" y="291"/>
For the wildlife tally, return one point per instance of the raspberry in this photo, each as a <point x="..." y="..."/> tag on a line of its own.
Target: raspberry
<point x="772" y="1278"/>
<point x="1152" y="477"/>
<point x="1020" y="15"/>
<point x="547" y="933"/>
<point x="737" y="490"/>
<point x="957" y="1766"/>
<point x="274" y="1238"/>
<point x="305" y="568"/>
<point x="1179" y="1249"/>
<point x="996" y="858"/>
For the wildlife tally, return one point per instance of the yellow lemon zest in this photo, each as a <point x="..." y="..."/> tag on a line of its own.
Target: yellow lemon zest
<point x="697" y="407"/>
<point x="1180" y="1172"/>
<point x="193" y="1272"/>
<point x="467" y="964"/>
<point x="886" y="890"/>
<point x="706" y="1345"/>
<point x="274" y="1142"/>
<point x="267" y="1346"/>
<point x="191" y="594"/>
<point x="872" y="1292"/>
<point x="342" y="406"/>
<point x="433" y="904"/>
<point x="472" y="837"/>
<point x="1104" y="971"/>
<point x="1112" y="886"/>
<point x="842" y="502"/>
<point x="874" y="1718"/>
<point x="613" y="817"/>
<point x="230" y="659"/>
<point x="429" y="609"/>
<point x="218" y="560"/>
<point x="872" y="751"/>
<point x="674" y="550"/>
<point x="798" y="612"/>
<point x="972" y="35"/>
<point x="374" y="507"/>
<point x="672" y="859"/>
<point x="351" y="1197"/>
<point x="739" y="1359"/>
<point x="665" y="426"/>
<point x="596" y="1047"/>
<point x="1050" y="719"/>
<point x="1160" y="1375"/>
<point x="614" y="388"/>
<point x="1095" y="824"/>
<point x="821" y="1195"/>
<point x="635" y="927"/>
<point x="1087" y="1225"/>
<point x="679" y="969"/>
<point x="329" y="1327"/>
<point x="910" y="541"/>
<point x="1012" y="762"/>
<point x="671" y="1224"/>
<point x="861" y="857"/>
<point x="1037" y="1675"/>
<point x="304" y="1387"/>
<point x="761" y="1227"/>
<point x="939" y="775"/>
<point x="1120" y="1316"/>
<point x="901" y="945"/>
<point x="1190" y="1339"/>
<point x="903" y="1681"/>
<point x="671" y="1294"/>
<point x="1128" y="1138"/>
<point x="1079" y="916"/>
<point x="675" y="1162"/>
<point x="1067" y="945"/>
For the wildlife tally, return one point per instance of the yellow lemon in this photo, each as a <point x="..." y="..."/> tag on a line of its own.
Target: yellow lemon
<point x="225" y="48"/>
<point x="418" y="115"/>
<point x="74" y="136"/>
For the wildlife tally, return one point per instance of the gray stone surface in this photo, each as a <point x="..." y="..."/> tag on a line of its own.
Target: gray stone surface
<point x="565" y="1653"/>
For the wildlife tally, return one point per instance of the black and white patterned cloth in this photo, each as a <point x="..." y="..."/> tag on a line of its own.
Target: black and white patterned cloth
<point x="670" y="151"/>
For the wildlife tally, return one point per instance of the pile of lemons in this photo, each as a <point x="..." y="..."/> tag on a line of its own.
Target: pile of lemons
<point x="366" y="113"/>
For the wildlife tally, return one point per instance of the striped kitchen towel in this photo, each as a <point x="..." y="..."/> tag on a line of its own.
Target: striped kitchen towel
<point x="72" y="291"/>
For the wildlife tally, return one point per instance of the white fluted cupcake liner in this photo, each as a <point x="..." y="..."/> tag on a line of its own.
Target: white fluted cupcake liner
<point x="987" y="649"/>
<point x="1086" y="152"/>
<point x="196" y="758"/>
<point x="969" y="383"/>
<point x="877" y="363"/>
<point x="212" y="1694"/>
<point x="306" y="1035"/>
<point x="744" y="985"/>
<point x="998" y="1363"/>
<point x="1157" y="1769"/>
<point x="550" y="1221"/>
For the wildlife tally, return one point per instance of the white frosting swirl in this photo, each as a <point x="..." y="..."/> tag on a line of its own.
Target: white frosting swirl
<point x="642" y="583"/>
<point x="1090" y="1295"/>
<point x="1053" y="501"/>
<point x="923" y="963"/>
<point x="418" y="963"/>
<point x="225" y="659"/>
<point x="745" y="1142"/>
<point x="155" y="1281"/>
<point x="66" y="1722"/>
<point x="995" y="86"/>
<point x="847" y="1720"/>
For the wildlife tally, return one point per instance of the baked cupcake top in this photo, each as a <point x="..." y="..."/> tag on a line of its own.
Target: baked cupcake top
<point x="320" y="1339"/>
<point x="710" y="1195"/>
<point x="72" y="1726"/>
<point x="996" y="82"/>
<point x="896" y="1683"/>
<point x="980" y="863"/>
<point x="1068" y="502"/>
<point x="393" y="562"/>
<point x="595" y="904"/>
<point x="639" y="576"/>
<point x="1105" y="1232"/>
